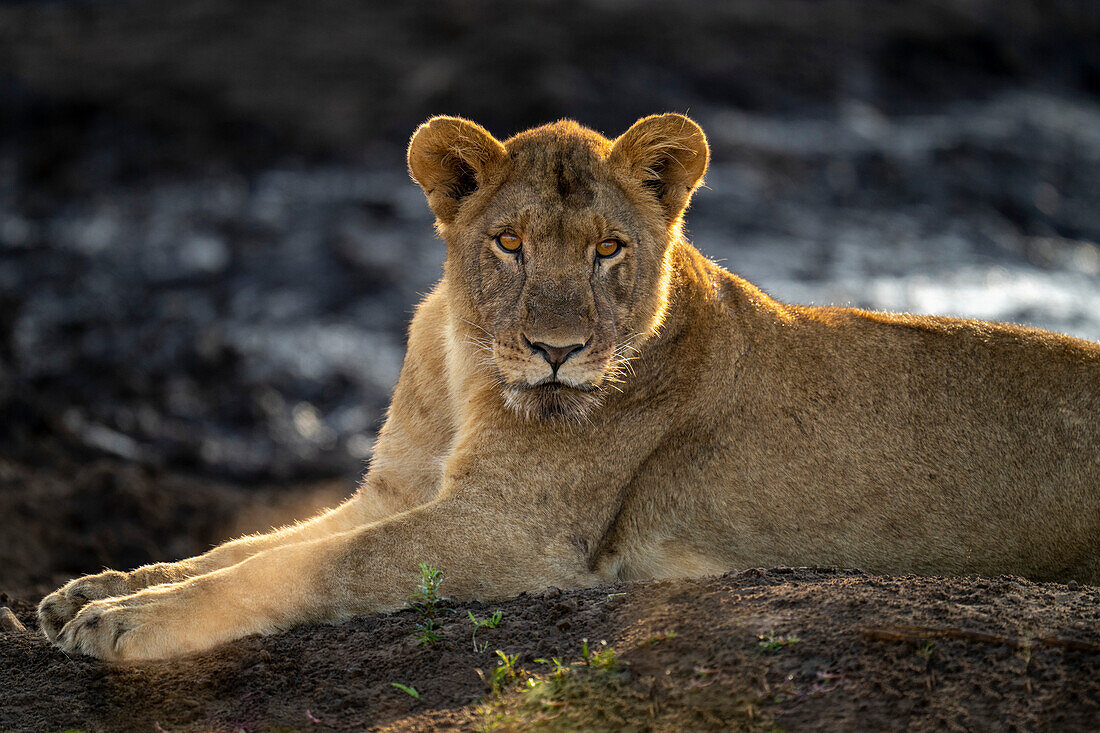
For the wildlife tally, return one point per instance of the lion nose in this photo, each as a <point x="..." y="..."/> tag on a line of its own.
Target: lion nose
<point x="555" y="355"/>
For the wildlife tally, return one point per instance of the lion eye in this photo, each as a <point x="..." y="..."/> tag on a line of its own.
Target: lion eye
<point x="509" y="242"/>
<point x="608" y="247"/>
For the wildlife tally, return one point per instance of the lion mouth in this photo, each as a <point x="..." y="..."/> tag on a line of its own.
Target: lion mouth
<point x="552" y="385"/>
<point x="552" y="399"/>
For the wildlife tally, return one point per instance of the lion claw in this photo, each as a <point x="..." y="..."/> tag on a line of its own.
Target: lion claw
<point x="97" y="630"/>
<point x="62" y="606"/>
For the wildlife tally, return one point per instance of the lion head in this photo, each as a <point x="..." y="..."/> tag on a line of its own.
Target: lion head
<point x="558" y="246"/>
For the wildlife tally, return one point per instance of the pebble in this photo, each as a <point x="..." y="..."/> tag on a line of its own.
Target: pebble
<point x="8" y="621"/>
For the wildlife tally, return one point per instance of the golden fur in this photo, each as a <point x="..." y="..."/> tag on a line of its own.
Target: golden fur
<point x="703" y="426"/>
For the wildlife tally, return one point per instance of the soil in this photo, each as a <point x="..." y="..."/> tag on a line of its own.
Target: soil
<point x="871" y="652"/>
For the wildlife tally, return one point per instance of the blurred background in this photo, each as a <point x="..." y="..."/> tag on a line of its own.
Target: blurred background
<point x="210" y="248"/>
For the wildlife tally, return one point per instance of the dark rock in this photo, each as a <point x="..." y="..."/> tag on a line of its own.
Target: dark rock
<point x="8" y="621"/>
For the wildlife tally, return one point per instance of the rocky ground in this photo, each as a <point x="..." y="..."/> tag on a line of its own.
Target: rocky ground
<point x="209" y="251"/>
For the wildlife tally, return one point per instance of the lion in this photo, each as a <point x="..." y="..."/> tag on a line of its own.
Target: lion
<point x="586" y="399"/>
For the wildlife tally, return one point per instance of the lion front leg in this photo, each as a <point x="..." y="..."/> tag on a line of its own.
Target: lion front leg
<point x="371" y="569"/>
<point x="194" y="614"/>
<point x="61" y="606"/>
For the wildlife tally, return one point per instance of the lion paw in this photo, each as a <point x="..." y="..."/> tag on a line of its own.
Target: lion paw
<point x="154" y="623"/>
<point x="61" y="606"/>
<point x="101" y="629"/>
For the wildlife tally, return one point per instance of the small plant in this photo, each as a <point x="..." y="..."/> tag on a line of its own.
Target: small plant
<point x="773" y="643"/>
<point x="506" y="675"/>
<point x="603" y="658"/>
<point x="925" y="650"/>
<point x="489" y="623"/>
<point x="427" y="602"/>
<point x="522" y="701"/>
<point x="559" y="669"/>
<point x="410" y="691"/>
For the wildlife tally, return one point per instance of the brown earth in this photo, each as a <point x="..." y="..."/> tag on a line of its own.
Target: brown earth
<point x="872" y="653"/>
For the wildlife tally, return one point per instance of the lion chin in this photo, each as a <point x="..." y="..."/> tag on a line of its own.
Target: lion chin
<point x="552" y="401"/>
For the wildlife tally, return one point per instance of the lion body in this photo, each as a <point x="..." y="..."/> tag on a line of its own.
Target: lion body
<point x="598" y="401"/>
<point x="768" y="435"/>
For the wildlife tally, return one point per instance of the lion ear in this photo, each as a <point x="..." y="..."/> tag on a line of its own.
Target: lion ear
<point x="668" y="154"/>
<point x="451" y="158"/>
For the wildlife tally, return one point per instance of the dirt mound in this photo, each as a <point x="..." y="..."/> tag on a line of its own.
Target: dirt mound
<point x="795" y="648"/>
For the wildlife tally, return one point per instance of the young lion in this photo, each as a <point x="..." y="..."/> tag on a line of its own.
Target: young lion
<point x="586" y="398"/>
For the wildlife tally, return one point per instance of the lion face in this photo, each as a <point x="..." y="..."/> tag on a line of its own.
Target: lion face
<point x="557" y="246"/>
